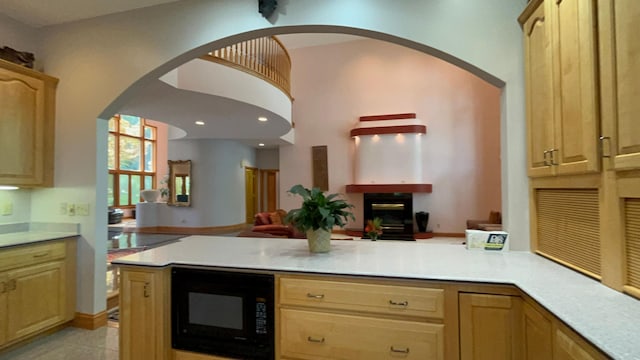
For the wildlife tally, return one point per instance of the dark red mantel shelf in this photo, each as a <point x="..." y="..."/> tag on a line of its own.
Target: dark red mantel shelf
<point x="389" y="188"/>
<point x="380" y="130"/>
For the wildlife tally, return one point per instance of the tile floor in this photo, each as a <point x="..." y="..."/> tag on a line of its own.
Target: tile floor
<point x="70" y="344"/>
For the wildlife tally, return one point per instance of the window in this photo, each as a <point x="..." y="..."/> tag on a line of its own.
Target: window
<point x="132" y="159"/>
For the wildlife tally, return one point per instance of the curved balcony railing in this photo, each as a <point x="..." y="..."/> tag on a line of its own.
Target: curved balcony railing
<point x="264" y="57"/>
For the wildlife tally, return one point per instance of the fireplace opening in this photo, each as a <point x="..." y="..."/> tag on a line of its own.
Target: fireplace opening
<point x="396" y="212"/>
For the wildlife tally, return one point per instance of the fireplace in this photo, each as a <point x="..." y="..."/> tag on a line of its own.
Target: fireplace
<point x="396" y="212"/>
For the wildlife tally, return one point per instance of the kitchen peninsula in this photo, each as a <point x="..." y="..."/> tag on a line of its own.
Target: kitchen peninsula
<point x="535" y="306"/>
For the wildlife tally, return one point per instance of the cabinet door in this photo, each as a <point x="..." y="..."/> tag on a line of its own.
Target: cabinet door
<point x="576" y="106"/>
<point x="537" y="335"/>
<point x="36" y="298"/>
<point x="26" y="132"/>
<point x="3" y="307"/>
<point x="144" y="309"/>
<point x="539" y="86"/>
<point x="490" y="327"/>
<point x="620" y="77"/>
<point x="569" y="346"/>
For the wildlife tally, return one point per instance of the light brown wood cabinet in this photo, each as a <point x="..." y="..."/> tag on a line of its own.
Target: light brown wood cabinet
<point x="37" y="288"/>
<point x="538" y="341"/>
<point x="27" y="126"/>
<point x="562" y="94"/>
<point x="490" y="327"/>
<point x="145" y="324"/>
<point x="322" y="318"/>
<point x="620" y="81"/>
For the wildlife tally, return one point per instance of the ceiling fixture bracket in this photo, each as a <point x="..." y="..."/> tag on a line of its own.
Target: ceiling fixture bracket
<point x="267" y="7"/>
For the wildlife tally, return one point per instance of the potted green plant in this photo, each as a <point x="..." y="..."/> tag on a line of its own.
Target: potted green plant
<point x="318" y="215"/>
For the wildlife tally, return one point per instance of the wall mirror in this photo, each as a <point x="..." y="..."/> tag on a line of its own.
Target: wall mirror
<point x="179" y="183"/>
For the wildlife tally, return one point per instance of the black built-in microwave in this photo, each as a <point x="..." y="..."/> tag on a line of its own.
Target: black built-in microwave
<point x="223" y="313"/>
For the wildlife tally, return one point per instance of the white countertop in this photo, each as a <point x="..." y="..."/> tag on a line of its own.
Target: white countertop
<point x="607" y="318"/>
<point x="28" y="237"/>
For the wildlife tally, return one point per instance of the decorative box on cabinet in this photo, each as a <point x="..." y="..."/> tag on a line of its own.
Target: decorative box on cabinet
<point x="562" y="98"/>
<point x="27" y="126"/>
<point x="37" y="288"/>
<point x="321" y="319"/>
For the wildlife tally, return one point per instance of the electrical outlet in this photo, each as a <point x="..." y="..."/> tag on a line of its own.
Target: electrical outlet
<point x="63" y="208"/>
<point x="71" y="210"/>
<point x="7" y="208"/>
<point x="82" y="209"/>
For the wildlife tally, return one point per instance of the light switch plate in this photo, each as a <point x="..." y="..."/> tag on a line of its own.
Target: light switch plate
<point x="7" y="208"/>
<point x="82" y="209"/>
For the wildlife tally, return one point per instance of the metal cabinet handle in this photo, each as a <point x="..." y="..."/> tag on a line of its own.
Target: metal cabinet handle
<point x="399" y="350"/>
<point x="399" y="303"/>
<point x="602" y="139"/>
<point x="315" y="340"/>
<point x="43" y="254"/>
<point x="315" y="296"/>
<point x="544" y="157"/>
<point x="147" y="291"/>
<point x="553" y="157"/>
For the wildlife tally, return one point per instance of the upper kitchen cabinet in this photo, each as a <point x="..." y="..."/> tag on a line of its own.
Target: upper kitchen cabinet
<point x="539" y="87"/>
<point x="27" y="126"/>
<point x="620" y="81"/>
<point x="562" y="106"/>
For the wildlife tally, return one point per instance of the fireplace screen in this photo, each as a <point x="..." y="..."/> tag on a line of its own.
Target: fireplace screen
<point x="395" y="210"/>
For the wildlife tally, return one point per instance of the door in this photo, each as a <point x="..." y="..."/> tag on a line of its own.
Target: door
<point x="620" y="77"/>
<point x="576" y="109"/>
<point x="490" y="327"/>
<point x="539" y="86"/>
<point x="251" y="193"/>
<point x="269" y="190"/>
<point x="144" y="326"/>
<point x="36" y="298"/>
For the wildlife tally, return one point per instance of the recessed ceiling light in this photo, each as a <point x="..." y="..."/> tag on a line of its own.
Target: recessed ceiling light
<point x="261" y="144"/>
<point x="262" y="118"/>
<point x="199" y="122"/>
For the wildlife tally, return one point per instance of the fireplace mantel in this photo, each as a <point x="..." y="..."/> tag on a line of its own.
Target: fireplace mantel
<point x="389" y="188"/>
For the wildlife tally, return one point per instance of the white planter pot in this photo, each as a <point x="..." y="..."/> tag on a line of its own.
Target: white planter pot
<point x="150" y="195"/>
<point x="319" y="240"/>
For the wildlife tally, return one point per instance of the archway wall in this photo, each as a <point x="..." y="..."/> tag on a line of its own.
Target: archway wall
<point x="102" y="61"/>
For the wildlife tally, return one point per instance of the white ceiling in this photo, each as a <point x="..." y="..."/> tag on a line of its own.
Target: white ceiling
<point x="39" y="13"/>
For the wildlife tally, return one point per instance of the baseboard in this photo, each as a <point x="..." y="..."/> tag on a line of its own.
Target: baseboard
<point x="90" y="321"/>
<point x="113" y="299"/>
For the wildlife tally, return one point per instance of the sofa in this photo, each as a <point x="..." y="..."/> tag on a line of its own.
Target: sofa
<point x="492" y="223"/>
<point x="272" y="223"/>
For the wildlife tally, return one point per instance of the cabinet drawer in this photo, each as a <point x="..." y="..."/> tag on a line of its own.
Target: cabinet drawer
<point x="31" y="254"/>
<point x="374" y="298"/>
<point x="317" y="335"/>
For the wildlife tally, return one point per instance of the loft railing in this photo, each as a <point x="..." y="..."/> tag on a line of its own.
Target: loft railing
<point x="264" y="57"/>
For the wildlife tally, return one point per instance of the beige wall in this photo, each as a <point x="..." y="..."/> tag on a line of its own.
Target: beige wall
<point x="336" y="84"/>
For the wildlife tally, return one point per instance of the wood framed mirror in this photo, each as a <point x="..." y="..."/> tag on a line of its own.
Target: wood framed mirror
<point x="179" y="183"/>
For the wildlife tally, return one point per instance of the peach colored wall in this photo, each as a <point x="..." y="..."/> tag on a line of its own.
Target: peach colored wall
<point x="336" y="84"/>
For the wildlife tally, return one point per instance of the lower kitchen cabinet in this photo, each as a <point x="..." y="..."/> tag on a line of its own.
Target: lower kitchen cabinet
<point x="567" y="345"/>
<point x="320" y="335"/>
<point x="145" y="322"/>
<point x="37" y="288"/>
<point x="490" y="326"/>
<point x="538" y="341"/>
<point x="327" y="318"/>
